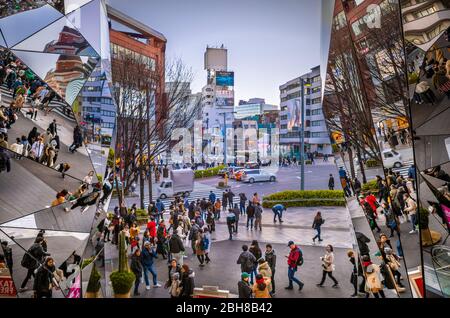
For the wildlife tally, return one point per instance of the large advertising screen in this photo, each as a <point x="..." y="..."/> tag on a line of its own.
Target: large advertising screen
<point x="293" y="115"/>
<point x="225" y="78"/>
<point x="224" y="97"/>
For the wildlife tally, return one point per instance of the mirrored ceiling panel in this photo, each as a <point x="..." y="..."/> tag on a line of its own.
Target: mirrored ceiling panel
<point x="60" y="245"/>
<point x="18" y="27"/>
<point x="87" y="21"/>
<point x="61" y="37"/>
<point x="65" y="74"/>
<point x="72" y="5"/>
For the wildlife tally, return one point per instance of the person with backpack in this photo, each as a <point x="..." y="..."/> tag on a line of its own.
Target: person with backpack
<point x="317" y="224"/>
<point x="32" y="259"/>
<point x="294" y="260"/>
<point x="193" y="233"/>
<point x="246" y="260"/>
<point x="231" y="221"/>
<point x="176" y="248"/>
<point x="328" y="266"/>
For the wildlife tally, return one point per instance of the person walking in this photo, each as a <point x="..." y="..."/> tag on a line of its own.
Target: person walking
<point x="317" y="224"/>
<point x="392" y="221"/>
<point x="231" y="223"/>
<point x="278" y="211"/>
<point x="193" y="233"/>
<point x="212" y="197"/>
<point x="373" y="281"/>
<point x="32" y="259"/>
<point x="236" y="214"/>
<point x="294" y="259"/>
<point x="77" y="139"/>
<point x="244" y="288"/>
<point x="258" y="216"/>
<point x="137" y="269"/>
<point x="331" y="182"/>
<point x="271" y="259"/>
<point x="148" y="256"/>
<point x="217" y="208"/>
<point x="225" y="200"/>
<point x="207" y="244"/>
<point x="247" y="260"/>
<point x="242" y="200"/>
<point x="328" y="266"/>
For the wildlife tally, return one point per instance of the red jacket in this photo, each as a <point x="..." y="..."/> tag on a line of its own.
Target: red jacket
<point x="371" y="200"/>
<point x="293" y="257"/>
<point x="151" y="226"/>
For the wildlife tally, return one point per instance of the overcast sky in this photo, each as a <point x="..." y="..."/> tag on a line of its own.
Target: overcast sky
<point x="269" y="42"/>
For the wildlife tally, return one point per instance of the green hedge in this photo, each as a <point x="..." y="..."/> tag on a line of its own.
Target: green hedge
<point x="370" y="163"/>
<point x="307" y="198"/>
<point x="210" y="172"/>
<point x="370" y="186"/>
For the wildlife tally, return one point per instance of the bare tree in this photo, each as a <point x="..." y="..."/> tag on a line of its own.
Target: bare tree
<point x="147" y="114"/>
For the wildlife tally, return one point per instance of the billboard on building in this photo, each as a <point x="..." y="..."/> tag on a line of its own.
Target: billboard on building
<point x="294" y="114"/>
<point x="224" y="78"/>
<point x="216" y="59"/>
<point x="224" y="97"/>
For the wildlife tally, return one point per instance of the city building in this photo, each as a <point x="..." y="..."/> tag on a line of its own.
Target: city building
<point x="218" y="97"/>
<point x="127" y="36"/>
<point x="253" y="107"/>
<point x="316" y="133"/>
<point x="424" y="21"/>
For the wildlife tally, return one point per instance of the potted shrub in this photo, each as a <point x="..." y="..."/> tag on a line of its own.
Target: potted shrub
<point x="94" y="286"/>
<point x="141" y="216"/>
<point x="122" y="280"/>
<point x="429" y="237"/>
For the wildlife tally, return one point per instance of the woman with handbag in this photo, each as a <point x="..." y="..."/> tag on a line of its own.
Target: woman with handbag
<point x="392" y="221"/>
<point x="373" y="280"/>
<point x="328" y="266"/>
<point x="43" y="281"/>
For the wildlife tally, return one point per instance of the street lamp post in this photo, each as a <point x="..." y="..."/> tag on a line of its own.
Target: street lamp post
<point x="302" y="134"/>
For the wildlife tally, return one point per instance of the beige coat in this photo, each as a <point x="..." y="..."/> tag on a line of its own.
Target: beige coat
<point x="373" y="282"/>
<point x="266" y="272"/>
<point x="328" y="262"/>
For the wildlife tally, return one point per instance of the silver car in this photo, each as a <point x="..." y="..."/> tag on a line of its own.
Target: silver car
<point x="257" y="175"/>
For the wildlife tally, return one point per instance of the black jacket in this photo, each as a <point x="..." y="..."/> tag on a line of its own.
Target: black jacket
<point x="245" y="291"/>
<point x="271" y="259"/>
<point x="175" y="244"/>
<point x="247" y="261"/>
<point x="43" y="279"/>
<point x="187" y="284"/>
<point x="136" y="266"/>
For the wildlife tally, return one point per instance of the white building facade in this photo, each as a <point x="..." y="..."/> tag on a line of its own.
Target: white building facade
<point x="317" y="138"/>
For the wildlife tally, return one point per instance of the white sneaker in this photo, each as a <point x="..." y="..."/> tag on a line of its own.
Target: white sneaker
<point x="147" y="287"/>
<point x="157" y="285"/>
<point x="412" y="231"/>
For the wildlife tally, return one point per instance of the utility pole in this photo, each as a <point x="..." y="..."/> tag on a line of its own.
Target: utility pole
<point x="302" y="134"/>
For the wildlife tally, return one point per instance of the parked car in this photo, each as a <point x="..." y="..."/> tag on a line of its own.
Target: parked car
<point x="257" y="175"/>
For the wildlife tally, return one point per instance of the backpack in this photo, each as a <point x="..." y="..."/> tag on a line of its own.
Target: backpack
<point x="300" y="258"/>
<point x="28" y="261"/>
<point x="204" y="244"/>
<point x="231" y="218"/>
